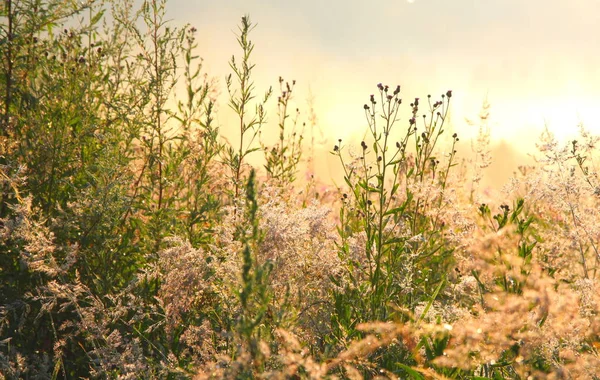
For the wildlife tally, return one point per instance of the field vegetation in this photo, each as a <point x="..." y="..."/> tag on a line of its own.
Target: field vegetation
<point x="136" y="241"/>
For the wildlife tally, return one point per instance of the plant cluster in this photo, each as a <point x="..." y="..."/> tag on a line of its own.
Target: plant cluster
<point x="137" y="242"/>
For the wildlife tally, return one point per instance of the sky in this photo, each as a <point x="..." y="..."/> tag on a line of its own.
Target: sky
<point x="537" y="62"/>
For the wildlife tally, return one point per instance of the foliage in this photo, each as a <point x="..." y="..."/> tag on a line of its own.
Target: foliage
<point x="282" y="159"/>
<point x="136" y="241"/>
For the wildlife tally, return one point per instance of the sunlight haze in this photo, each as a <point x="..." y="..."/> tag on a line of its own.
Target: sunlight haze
<point x="536" y="62"/>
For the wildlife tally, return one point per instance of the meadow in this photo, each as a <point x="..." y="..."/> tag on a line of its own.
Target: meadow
<point x="138" y="241"/>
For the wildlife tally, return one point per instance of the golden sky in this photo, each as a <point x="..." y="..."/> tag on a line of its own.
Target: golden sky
<point x="536" y="61"/>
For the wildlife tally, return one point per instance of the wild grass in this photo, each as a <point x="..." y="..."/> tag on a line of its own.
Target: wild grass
<point x="137" y="242"/>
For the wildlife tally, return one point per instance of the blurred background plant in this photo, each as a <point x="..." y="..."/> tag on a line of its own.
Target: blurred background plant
<point x="283" y="158"/>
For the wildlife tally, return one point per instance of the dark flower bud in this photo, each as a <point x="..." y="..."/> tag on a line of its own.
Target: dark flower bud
<point x="397" y="90"/>
<point x="336" y="148"/>
<point x="372" y="99"/>
<point x="366" y="107"/>
<point x="386" y="88"/>
<point x="398" y="145"/>
<point x="412" y="120"/>
<point x="455" y="135"/>
<point x="416" y="102"/>
<point x="369" y="202"/>
<point x="449" y="93"/>
<point x="389" y="97"/>
<point x="380" y="86"/>
<point x="363" y="145"/>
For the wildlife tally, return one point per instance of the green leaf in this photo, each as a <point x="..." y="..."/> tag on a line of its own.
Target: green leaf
<point x="433" y="297"/>
<point x="414" y="374"/>
<point x="396" y="210"/>
<point x="97" y="17"/>
<point x="394" y="241"/>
